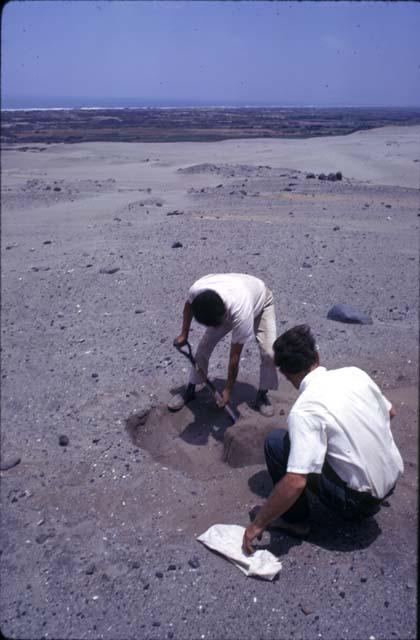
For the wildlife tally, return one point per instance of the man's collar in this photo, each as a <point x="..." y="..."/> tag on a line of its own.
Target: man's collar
<point x="311" y="376"/>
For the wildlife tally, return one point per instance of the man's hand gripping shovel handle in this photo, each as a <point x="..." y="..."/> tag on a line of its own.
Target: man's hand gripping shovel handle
<point x="188" y="354"/>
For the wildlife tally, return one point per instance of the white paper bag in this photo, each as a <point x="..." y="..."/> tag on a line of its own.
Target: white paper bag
<point x="227" y="540"/>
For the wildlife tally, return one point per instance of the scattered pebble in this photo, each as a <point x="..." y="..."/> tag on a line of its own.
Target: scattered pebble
<point x="63" y="441"/>
<point x="109" y="270"/>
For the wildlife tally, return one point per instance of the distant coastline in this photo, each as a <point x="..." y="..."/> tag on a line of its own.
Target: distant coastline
<point x="48" y="125"/>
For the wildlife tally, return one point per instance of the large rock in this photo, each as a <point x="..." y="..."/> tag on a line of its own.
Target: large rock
<point x="345" y="313"/>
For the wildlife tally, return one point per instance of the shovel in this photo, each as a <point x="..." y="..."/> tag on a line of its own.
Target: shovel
<point x="188" y="354"/>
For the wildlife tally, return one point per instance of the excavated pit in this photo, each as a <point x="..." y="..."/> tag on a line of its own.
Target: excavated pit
<point x="199" y="440"/>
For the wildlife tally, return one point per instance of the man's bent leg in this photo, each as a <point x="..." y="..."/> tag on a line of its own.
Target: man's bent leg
<point x="266" y="333"/>
<point x="276" y="450"/>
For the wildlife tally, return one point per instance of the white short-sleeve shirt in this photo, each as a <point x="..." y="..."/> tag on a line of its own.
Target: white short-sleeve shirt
<point x="244" y="297"/>
<point x="342" y="416"/>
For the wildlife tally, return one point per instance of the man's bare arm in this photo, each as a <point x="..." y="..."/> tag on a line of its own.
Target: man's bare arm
<point x="233" y="368"/>
<point x="283" y="496"/>
<point x="187" y="317"/>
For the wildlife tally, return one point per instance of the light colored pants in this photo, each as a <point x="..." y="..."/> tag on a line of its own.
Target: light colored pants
<point x="265" y="334"/>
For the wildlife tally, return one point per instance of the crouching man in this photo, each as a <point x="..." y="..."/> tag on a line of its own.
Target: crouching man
<point x="338" y="443"/>
<point x="234" y="302"/>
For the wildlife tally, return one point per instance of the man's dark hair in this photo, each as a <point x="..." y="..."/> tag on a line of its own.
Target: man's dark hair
<point x="208" y="308"/>
<point x="295" y="350"/>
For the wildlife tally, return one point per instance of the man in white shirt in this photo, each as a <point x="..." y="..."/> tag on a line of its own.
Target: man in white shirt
<point x="338" y="443"/>
<point x="234" y="302"/>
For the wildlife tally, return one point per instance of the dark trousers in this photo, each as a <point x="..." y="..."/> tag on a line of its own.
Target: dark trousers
<point x="330" y="489"/>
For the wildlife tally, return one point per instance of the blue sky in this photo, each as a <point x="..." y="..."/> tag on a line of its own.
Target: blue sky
<point x="198" y="52"/>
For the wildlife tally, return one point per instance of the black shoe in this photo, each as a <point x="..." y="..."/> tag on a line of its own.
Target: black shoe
<point x="263" y="404"/>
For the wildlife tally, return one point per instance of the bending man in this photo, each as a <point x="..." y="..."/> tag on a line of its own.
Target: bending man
<point x="338" y="444"/>
<point x="241" y="304"/>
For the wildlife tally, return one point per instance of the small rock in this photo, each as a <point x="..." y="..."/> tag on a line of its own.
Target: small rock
<point x="47" y="242"/>
<point x="9" y="463"/>
<point x="135" y="565"/>
<point x="310" y="176"/>
<point x="322" y="176"/>
<point x="171" y="567"/>
<point x="176" y="245"/>
<point x="342" y="594"/>
<point x="139" y="311"/>
<point x="109" y="270"/>
<point x="57" y="188"/>
<point x="363" y="579"/>
<point x="63" y="441"/>
<point x="159" y="574"/>
<point x="345" y="313"/>
<point x="90" y="569"/>
<point x="336" y="228"/>
<point x="306" y="265"/>
<point x="155" y="624"/>
<point x="175" y="213"/>
<point x="194" y="562"/>
<point x="95" y="375"/>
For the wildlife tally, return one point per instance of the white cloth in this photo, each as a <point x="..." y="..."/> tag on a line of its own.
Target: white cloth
<point x="244" y="297"/>
<point x="227" y="540"/>
<point x="342" y="416"/>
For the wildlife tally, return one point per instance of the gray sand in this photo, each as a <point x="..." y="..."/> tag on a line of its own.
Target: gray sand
<point x="98" y="536"/>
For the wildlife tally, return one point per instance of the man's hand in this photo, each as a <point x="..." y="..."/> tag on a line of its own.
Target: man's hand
<point x="251" y="532"/>
<point x="180" y="341"/>
<point x="224" y="399"/>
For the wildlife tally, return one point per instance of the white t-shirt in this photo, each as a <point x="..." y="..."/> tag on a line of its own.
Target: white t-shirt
<point x="244" y="298"/>
<point x="342" y="416"/>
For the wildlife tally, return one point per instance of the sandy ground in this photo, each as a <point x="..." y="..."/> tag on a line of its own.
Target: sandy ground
<point x="98" y="537"/>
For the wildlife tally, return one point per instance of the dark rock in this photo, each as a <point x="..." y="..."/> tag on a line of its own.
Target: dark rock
<point x="194" y="562"/>
<point x="176" y="245"/>
<point x="345" y="313"/>
<point x="135" y="565"/>
<point x="44" y="536"/>
<point x="47" y="242"/>
<point x="175" y="213"/>
<point x="63" y="441"/>
<point x="306" y="265"/>
<point x="9" y="463"/>
<point x="338" y="175"/>
<point x="139" y="311"/>
<point x="95" y="375"/>
<point x="155" y="624"/>
<point x="109" y="270"/>
<point x="310" y="176"/>
<point x="363" y="579"/>
<point x="172" y="567"/>
<point x="336" y="228"/>
<point x="90" y="569"/>
<point x="342" y="594"/>
<point x="159" y="574"/>
<point x="332" y="177"/>
<point x="57" y="188"/>
<point x="322" y="176"/>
